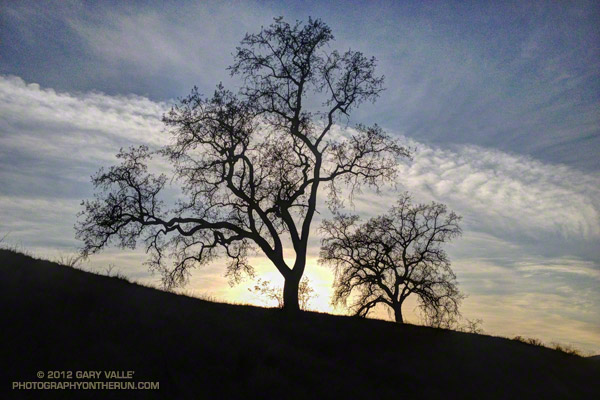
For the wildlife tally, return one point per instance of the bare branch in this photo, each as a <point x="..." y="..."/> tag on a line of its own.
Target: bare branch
<point x="251" y="164"/>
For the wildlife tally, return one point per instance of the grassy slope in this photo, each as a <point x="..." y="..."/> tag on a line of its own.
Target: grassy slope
<point x="59" y="318"/>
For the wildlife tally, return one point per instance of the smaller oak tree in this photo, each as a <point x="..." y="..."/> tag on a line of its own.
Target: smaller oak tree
<point x="390" y="257"/>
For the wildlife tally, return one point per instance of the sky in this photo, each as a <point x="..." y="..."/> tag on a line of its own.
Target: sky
<point x="501" y="101"/>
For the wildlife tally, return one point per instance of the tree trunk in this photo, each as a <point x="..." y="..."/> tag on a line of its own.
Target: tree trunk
<point x="290" y="292"/>
<point x="398" y="313"/>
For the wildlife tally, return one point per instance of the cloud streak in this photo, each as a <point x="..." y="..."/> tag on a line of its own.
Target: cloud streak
<point x="522" y="79"/>
<point x="511" y="197"/>
<point x="531" y="228"/>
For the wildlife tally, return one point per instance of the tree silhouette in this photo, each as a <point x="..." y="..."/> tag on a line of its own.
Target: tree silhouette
<point x="390" y="257"/>
<point x="251" y="164"/>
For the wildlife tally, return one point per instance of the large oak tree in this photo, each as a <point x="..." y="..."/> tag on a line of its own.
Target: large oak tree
<point x="252" y="164"/>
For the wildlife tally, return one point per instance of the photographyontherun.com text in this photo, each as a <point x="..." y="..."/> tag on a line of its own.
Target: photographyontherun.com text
<point x="84" y="380"/>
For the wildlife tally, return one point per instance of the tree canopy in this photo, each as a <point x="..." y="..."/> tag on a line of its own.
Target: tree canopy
<point x="391" y="257"/>
<point x="251" y="164"/>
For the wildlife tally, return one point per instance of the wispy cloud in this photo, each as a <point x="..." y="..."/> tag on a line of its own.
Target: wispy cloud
<point x="511" y="197"/>
<point x="529" y="257"/>
<point x="50" y="144"/>
<point x="522" y="79"/>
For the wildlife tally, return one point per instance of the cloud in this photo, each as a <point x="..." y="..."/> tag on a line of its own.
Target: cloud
<point x="54" y="140"/>
<point x="522" y="79"/>
<point x="511" y="197"/>
<point x="32" y="106"/>
<point x="158" y="52"/>
<point x="530" y="228"/>
<point x="51" y="143"/>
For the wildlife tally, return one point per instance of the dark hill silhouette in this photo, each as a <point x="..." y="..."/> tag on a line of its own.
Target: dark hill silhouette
<point x="59" y="318"/>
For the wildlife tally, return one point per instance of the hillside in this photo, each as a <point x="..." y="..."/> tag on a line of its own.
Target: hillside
<point x="59" y="318"/>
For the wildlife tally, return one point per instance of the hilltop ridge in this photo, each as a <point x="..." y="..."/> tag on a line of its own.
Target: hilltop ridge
<point x="60" y="318"/>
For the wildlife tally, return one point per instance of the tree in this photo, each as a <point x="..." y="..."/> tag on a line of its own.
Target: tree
<point x="251" y="164"/>
<point x="271" y="293"/>
<point x="390" y="257"/>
